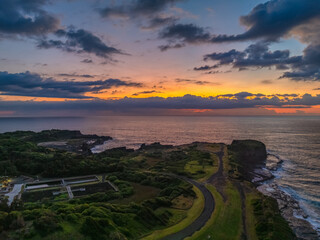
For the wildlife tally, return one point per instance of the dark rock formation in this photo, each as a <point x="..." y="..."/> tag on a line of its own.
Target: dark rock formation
<point x="246" y="156"/>
<point x="155" y="145"/>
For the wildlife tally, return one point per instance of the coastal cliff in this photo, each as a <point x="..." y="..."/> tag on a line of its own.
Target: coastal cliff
<point x="246" y="157"/>
<point x="248" y="161"/>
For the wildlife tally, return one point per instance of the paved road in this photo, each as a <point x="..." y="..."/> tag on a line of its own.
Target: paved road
<point x="202" y="219"/>
<point x="208" y="205"/>
<point x="69" y="192"/>
<point x="15" y="191"/>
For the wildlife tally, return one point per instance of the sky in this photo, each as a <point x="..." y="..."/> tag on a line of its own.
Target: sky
<point x="159" y="57"/>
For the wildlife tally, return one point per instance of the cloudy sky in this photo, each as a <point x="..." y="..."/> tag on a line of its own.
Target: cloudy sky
<point x="185" y="57"/>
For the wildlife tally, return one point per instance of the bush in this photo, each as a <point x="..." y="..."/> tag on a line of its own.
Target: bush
<point x="14" y="220"/>
<point x="3" y="216"/>
<point x="117" y="236"/>
<point x="96" y="227"/>
<point x="47" y="223"/>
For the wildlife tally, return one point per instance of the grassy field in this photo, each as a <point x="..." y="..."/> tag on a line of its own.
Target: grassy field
<point x="225" y="161"/>
<point x="211" y="147"/>
<point x="225" y="222"/>
<point x="192" y="214"/>
<point x="182" y="202"/>
<point x="250" y="219"/>
<point x="200" y="172"/>
<point x="268" y="222"/>
<point x="177" y="214"/>
<point x="69" y="230"/>
<point x="141" y="193"/>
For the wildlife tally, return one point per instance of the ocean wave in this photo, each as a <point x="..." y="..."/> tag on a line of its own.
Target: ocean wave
<point x="308" y="204"/>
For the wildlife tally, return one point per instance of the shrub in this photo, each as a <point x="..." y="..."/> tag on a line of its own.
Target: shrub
<point x="47" y="223"/>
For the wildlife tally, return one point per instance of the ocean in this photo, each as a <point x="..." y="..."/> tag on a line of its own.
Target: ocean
<point x="294" y="139"/>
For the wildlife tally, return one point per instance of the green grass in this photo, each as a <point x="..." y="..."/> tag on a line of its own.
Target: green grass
<point x="141" y="193"/>
<point x="177" y="214"/>
<point x="269" y="224"/>
<point x="182" y="202"/>
<point x="84" y="184"/>
<point x="193" y="167"/>
<point x="210" y="170"/>
<point x="99" y="178"/>
<point x="193" y="213"/>
<point x="202" y="173"/>
<point x="250" y="219"/>
<point x="225" y="161"/>
<point x="63" y="196"/>
<point x="45" y="189"/>
<point x="225" y="222"/>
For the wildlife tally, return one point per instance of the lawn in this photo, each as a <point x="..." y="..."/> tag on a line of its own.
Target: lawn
<point x="202" y="172"/>
<point x="250" y="219"/>
<point x="182" y="202"/>
<point x="193" y="213"/>
<point x="225" y="222"/>
<point x="141" y="193"/>
<point x="70" y="232"/>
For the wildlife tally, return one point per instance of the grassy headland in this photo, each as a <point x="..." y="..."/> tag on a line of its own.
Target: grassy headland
<point x="152" y="200"/>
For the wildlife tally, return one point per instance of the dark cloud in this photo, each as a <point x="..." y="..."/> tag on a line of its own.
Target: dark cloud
<point x="308" y="69"/>
<point x="217" y="72"/>
<point x="149" y="14"/>
<point x="137" y="8"/>
<point x="271" y="21"/>
<point x="316" y="89"/>
<point x="205" y="68"/>
<point x="26" y="17"/>
<point x="274" y="19"/>
<point x="268" y="22"/>
<point x="80" y="41"/>
<point x="287" y="95"/>
<point x="258" y="55"/>
<point x="267" y="82"/>
<point x="169" y="46"/>
<point x="145" y="92"/>
<point x="87" y="61"/>
<point x="227" y="101"/>
<point x="225" y="57"/>
<point x="185" y="33"/>
<point x="30" y="84"/>
<point x="243" y="95"/>
<point x="160" y="21"/>
<point x="197" y="82"/>
<point x="75" y="75"/>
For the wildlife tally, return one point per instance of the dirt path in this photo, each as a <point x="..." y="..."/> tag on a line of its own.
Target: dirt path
<point x="243" y="208"/>
<point x="218" y="179"/>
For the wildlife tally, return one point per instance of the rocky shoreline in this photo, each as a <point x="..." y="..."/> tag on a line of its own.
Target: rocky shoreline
<point x="289" y="207"/>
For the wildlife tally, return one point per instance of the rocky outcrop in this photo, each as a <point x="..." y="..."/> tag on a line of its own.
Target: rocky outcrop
<point x="73" y="141"/>
<point x="156" y="145"/>
<point x="291" y="211"/>
<point x="246" y="157"/>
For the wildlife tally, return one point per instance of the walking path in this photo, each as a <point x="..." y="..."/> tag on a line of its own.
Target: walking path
<point x="69" y="192"/>
<point x="15" y="192"/>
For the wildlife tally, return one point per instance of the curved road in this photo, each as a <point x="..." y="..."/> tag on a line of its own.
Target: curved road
<point x="209" y="206"/>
